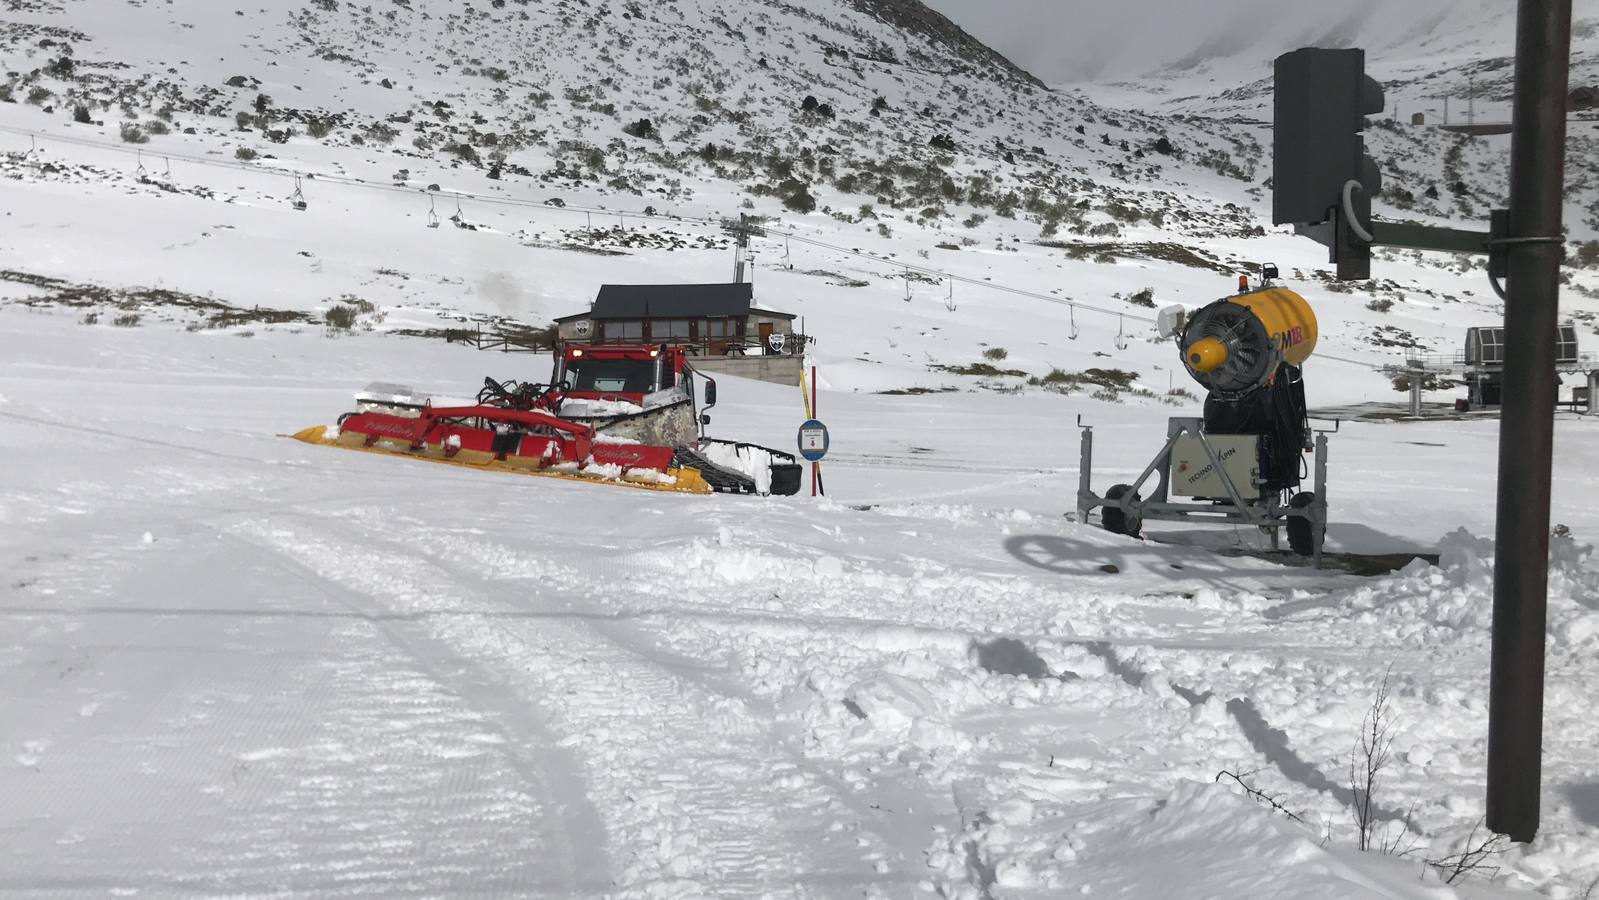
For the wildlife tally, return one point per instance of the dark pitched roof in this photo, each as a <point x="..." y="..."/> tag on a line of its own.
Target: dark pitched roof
<point x="655" y="301"/>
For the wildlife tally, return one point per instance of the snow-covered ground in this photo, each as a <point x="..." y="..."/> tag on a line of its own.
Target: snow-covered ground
<point x="244" y="665"/>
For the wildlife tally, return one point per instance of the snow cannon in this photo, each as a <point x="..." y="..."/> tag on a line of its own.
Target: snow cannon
<point x="1243" y="461"/>
<point x="1236" y="344"/>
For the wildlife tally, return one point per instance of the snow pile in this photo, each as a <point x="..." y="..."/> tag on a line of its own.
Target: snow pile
<point x="571" y="407"/>
<point x="604" y="438"/>
<point x="1454" y="599"/>
<point x="752" y="462"/>
<point x="1200" y="840"/>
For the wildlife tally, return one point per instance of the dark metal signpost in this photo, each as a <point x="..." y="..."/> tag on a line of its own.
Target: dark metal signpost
<point x="1323" y="183"/>
<point x="1526" y="427"/>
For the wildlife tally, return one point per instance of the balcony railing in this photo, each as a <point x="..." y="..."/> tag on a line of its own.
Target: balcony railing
<point x="793" y="345"/>
<point x="510" y="341"/>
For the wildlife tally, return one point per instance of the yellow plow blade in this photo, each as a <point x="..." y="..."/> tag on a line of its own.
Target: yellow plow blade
<point x="684" y="480"/>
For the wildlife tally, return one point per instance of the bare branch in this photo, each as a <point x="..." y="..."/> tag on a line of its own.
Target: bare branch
<point x="1473" y="858"/>
<point x="1258" y="795"/>
<point x="1372" y="753"/>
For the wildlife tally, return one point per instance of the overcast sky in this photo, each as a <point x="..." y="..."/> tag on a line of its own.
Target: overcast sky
<point x="1074" y="40"/>
<point x="1064" y="40"/>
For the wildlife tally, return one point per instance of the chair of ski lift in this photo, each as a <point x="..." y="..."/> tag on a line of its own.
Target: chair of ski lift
<point x="433" y="213"/>
<point x="297" y="199"/>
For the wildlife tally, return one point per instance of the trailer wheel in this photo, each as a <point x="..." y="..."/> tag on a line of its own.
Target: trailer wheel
<point x="1301" y="531"/>
<point x="1113" y="519"/>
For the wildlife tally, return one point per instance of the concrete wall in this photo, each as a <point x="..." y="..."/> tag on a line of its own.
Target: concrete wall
<point x="776" y="369"/>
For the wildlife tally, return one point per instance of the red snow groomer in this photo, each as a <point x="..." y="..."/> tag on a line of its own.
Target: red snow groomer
<point x="617" y="413"/>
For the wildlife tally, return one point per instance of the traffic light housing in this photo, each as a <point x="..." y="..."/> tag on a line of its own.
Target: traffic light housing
<point x="1322" y="98"/>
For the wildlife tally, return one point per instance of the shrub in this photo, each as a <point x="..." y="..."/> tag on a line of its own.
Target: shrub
<point x="126" y="320"/>
<point x="1382" y="305"/>
<point x="800" y="200"/>
<point x="643" y="128"/>
<point x="318" y="127"/>
<point x="80" y="114"/>
<point x="465" y="152"/>
<point x="133" y="134"/>
<point x="244" y="153"/>
<point x="995" y="354"/>
<point x="242" y="120"/>
<point x="156" y="126"/>
<point x="1145" y="297"/>
<point x="1588" y="254"/>
<point x="38" y="95"/>
<point x="6" y="95"/>
<point x="341" y="317"/>
<point x="381" y="133"/>
<point x="91" y="318"/>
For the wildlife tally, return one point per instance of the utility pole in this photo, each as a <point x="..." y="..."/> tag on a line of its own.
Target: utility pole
<point x="742" y="231"/>
<point x="1526" y="429"/>
<point x="741" y="243"/>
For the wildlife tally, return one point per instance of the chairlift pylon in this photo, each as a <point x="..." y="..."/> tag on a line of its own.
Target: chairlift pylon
<point x="949" y="302"/>
<point x="1121" y="334"/>
<point x="1071" y="311"/>
<point x="297" y="199"/>
<point x="788" y="264"/>
<point x="907" y="285"/>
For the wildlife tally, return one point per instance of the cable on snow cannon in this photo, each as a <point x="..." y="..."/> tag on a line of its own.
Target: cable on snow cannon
<point x="1244" y="458"/>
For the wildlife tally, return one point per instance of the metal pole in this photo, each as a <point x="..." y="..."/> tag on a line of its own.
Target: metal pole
<point x="1085" y="467"/>
<point x="1526" y="429"/>
<point x="815" y="467"/>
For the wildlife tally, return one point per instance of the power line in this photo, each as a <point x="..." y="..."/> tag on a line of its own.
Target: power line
<point x="348" y="180"/>
<point x="788" y="234"/>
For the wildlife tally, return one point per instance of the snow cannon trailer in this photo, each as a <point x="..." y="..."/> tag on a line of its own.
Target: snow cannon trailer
<point x="1242" y="463"/>
<point x="613" y="414"/>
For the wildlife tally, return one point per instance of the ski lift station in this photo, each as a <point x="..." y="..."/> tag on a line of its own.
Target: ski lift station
<point x="1481" y="366"/>
<point x="717" y="324"/>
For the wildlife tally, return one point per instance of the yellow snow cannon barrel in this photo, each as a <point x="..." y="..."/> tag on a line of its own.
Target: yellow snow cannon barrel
<point x="1236" y="344"/>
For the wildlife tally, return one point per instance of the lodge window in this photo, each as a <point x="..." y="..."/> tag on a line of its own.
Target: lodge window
<point x="625" y="331"/>
<point x="669" y="329"/>
<point x="717" y="329"/>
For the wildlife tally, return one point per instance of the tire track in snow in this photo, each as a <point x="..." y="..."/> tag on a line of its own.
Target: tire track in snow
<point x="696" y="793"/>
<point x="576" y="836"/>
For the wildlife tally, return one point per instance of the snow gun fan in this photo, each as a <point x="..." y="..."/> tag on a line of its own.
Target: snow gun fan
<point x="622" y="414"/>
<point x="1243" y="461"/>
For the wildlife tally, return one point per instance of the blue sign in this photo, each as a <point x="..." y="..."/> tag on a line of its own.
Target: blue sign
<point x="813" y="440"/>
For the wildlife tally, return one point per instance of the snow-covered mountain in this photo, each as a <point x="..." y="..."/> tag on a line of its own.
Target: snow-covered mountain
<point x="877" y="127"/>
